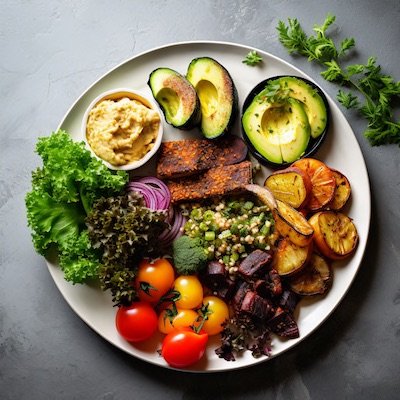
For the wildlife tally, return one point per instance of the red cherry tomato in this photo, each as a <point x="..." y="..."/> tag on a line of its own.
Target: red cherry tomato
<point x="184" y="347"/>
<point x="154" y="279"/>
<point x="136" y="322"/>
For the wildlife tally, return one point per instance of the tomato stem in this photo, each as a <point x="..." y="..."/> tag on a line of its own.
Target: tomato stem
<point x="204" y="313"/>
<point x="172" y="296"/>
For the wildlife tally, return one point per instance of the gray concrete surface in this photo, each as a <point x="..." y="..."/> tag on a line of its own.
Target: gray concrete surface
<point x="50" y="52"/>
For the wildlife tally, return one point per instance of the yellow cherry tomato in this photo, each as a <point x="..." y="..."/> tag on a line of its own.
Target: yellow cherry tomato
<point x="217" y="312"/>
<point x="190" y="290"/>
<point x="168" y="322"/>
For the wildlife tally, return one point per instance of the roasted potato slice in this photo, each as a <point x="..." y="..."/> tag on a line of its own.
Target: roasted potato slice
<point x="342" y="191"/>
<point x="315" y="278"/>
<point x="289" y="259"/>
<point x="291" y="185"/>
<point x="291" y="223"/>
<point x="334" y="234"/>
<point x="264" y="194"/>
<point x="322" y="181"/>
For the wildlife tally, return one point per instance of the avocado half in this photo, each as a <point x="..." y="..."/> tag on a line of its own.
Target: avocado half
<point x="217" y="94"/>
<point x="177" y="98"/>
<point x="275" y="147"/>
<point x="280" y="132"/>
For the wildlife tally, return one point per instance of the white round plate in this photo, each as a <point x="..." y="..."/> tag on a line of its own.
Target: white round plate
<point x="340" y="151"/>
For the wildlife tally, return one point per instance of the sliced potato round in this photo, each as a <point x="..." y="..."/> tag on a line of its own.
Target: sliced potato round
<point x="334" y="234"/>
<point x="342" y="191"/>
<point x="291" y="185"/>
<point x="289" y="259"/>
<point x="315" y="278"/>
<point x="322" y="181"/>
<point x="291" y="223"/>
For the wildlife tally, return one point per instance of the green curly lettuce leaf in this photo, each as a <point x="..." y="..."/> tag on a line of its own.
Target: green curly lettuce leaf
<point x="63" y="192"/>
<point x="78" y="259"/>
<point x="124" y="231"/>
<point x="52" y="222"/>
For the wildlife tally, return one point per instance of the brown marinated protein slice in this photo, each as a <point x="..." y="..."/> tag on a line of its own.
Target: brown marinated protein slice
<point x="217" y="181"/>
<point x="191" y="156"/>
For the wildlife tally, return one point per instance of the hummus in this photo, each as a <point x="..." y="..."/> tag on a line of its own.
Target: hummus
<point x="122" y="131"/>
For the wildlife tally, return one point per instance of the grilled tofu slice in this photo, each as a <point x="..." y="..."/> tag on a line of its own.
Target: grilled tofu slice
<point x="188" y="157"/>
<point x="216" y="181"/>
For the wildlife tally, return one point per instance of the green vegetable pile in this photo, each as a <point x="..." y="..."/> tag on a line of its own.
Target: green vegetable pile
<point x="76" y="207"/>
<point x="370" y="92"/>
<point x="125" y="231"/>
<point x="63" y="193"/>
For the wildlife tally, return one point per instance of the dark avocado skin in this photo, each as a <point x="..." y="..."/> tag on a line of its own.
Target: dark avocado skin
<point x="228" y="82"/>
<point x="195" y="117"/>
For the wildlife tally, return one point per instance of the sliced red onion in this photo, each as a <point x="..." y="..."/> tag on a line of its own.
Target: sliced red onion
<point x="155" y="192"/>
<point x="160" y="189"/>
<point x="177" y="222"/>
<point x="158" y="197"/>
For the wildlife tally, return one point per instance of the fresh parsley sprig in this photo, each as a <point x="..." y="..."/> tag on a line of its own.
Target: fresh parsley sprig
<point x="252" y="58"/>
<point x="369" y="91"/>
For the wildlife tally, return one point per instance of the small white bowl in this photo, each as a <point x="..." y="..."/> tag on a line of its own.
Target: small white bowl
<point x="116" y="94"/>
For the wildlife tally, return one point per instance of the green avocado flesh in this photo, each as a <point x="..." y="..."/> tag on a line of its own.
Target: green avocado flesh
<point x="312" y="102"/>
<point x="280" y="132"/>
<point x="177" y="98"/>
<point x="217" y="94"/>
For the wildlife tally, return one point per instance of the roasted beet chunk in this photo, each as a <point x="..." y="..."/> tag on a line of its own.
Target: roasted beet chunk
<point x="259" y="308"/>
<point x="275" y="284"/>
<point x="283" y="324"/>
<point x="253" y="265"/>
<point x="227" y="291"/>
<point x="261" y="287"/>
<point x="215" y="275"/>
<point x="289" y="301"/>
<point x="243" y="288"/>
